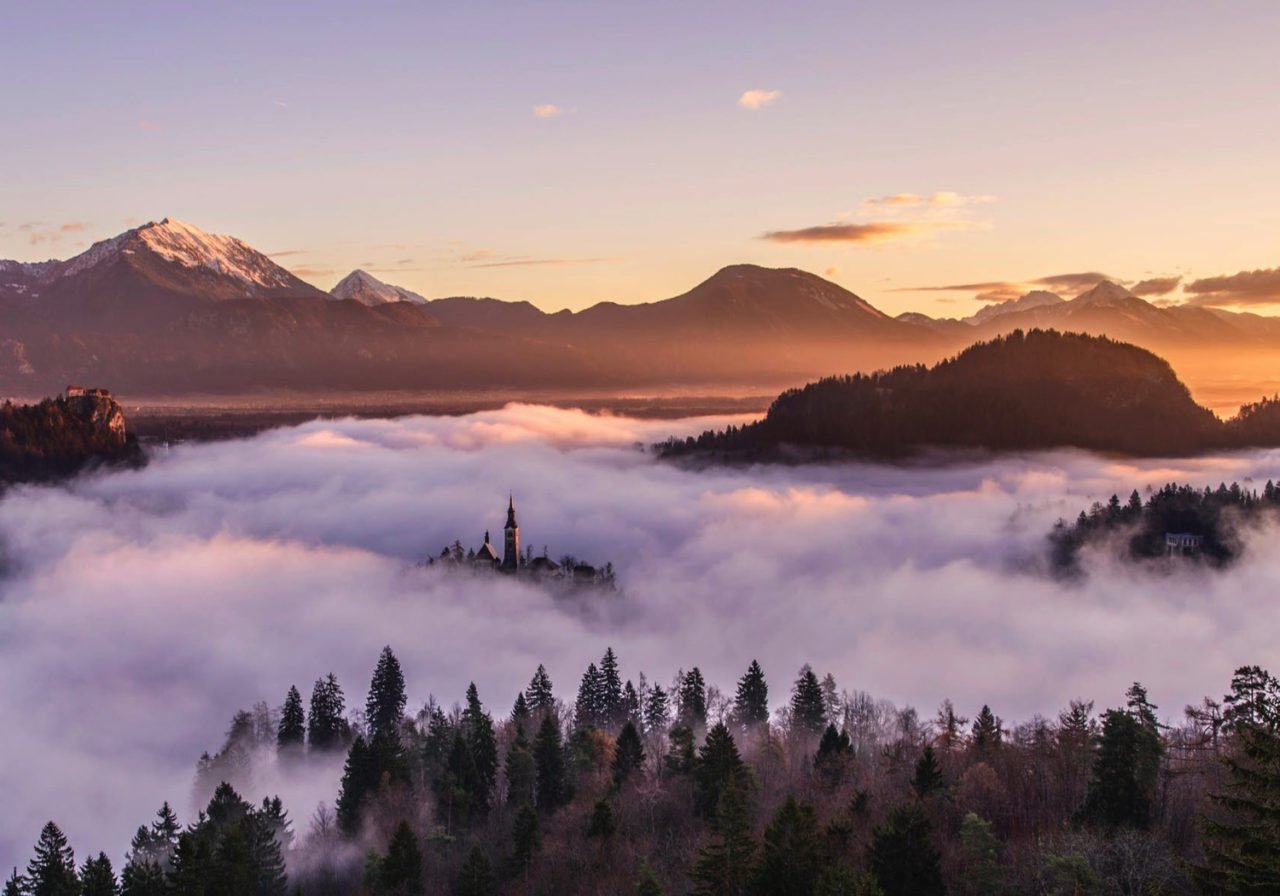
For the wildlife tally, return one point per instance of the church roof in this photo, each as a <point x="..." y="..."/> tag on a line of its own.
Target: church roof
<point x="487" y="551"/>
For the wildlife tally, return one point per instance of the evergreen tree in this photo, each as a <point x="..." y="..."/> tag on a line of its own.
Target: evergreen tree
<point x="98" y="878"/>
<point x="144" y="873"/>
<point x="632" y="711"/>
<point x="15" y="885"/>
<point x="791" y="858"/>
<point x="525" y="839"/>
<point x="520" y="711"/>
<point x="928" y="779"/>
<point x="602" y="824"/>
<point x="681" y="753"/>
<point x="385" y="706"/>
<point x="520" y="771"/>
<point x="836" y="880"/>
<point x="647" y="885"/>
<point x="165" y="829"/>
<point x="476" y="877"/>
<point x="612" y="709"/>
<point x="460" y="789"/>
<point x="831" y="698"/>
<point x="1242" y="831"/>
<point x="439" y="740"/>
<point x="751" y="701"/>
<point x="477" y="727"/>
<point x="657" y="711"/>
<point x="903" y="857"/>
<point x="548" y="758"/>
<point x="981" y="873"/>
<point x="717" y="765"/>
<point x="987" y="734"/>
<point x="808" y="705"/>
<point x="277" y="819"/>
<point x="1123" y="782"/>
<point x="725" y="863"/>
<point x="400" y="873"/>
<point x="52" y="870"/>
<point x="589" y="709"/>
<point x="359" y="779"/>
<point x="691" y="700"/>
<point x="538" y="695"/>
<point x="293" y="724"/>
<point x="628" y="754"/>
<point x="326" y="725"/>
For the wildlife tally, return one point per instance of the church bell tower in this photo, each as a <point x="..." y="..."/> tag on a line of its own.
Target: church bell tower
<point x="511" y="549"/>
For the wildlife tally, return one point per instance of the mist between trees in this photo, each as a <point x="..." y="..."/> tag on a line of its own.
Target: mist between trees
<point x="633" y="785"/>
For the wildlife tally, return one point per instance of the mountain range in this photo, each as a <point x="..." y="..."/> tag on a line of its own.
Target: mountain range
<point x="168" y="309"/>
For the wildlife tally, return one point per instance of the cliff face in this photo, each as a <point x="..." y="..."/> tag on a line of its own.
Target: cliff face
<point x="61" y="436"/>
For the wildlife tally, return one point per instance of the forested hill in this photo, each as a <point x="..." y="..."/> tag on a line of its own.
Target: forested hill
<point x="61" y="436"/>
<point x="1023" y="391"/>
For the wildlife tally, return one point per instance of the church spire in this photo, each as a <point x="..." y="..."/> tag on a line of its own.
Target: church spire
<point x="511" y="541"/>
<point x="511" y="511"/>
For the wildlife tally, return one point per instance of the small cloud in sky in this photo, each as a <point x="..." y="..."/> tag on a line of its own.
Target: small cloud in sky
<point x="147" y="125"/>
<point x="285" y="253"/>
<point x="1070" y="285"/>
<point x="832" y="271"/>
<point x="1260" y="287"/>
<point x="546" y="110"/>
<point x="1156" y="286"/>
<point x="941" y="199"/>
<point x="758" y="99"/>
<point x="869" y="233"/>
<point x="282" y="104"/>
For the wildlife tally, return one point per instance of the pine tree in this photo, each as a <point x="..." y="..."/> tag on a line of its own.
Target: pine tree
<point x="144" y="873"/>
<point x="538" y="695"/>
<point x="681" y="753"/>
<point x="165" y="829"/>
<point x="928" y="779"/>
<point x="981" y="873"/>
<point x="52" y="871"/>
<point x="98" y="878"/>
<point x="520" y="771"/>
<point x="477" y="726"/>
<point x="326" y="725"/>
<point x="15" y="885"/>
<point x="1121" y="787"/>
<point x="903" y="857"/>
<point x="359" y="779"/>
<point x="987" y="734"/>
<point x="657" y="711"/>
<point x="460" y="788"/>
<point x="385" y="706"/>
<point x="725" y="863"/>
<point x="602" y="824"/>
<point x="525" y="839"/>
<point x="476" y="877"/>
<point x="718" y="764"/>
<point x="808" y="705"/>
<point x="834" y="754"/>
<point x="628" y="754"/>
<point x="831" y="698"/>
<point x="400" y="873"/>
<point x="612" y="710"/>
<point x="751" y="701"/>
<point x="520" y="711"/>
<point x="631" y="709"/>
<point x="548" y="758"/>
<point x="589" y="709"/>
<point x="791" y="858"/>
<point x="293" y="724"/>
<point x="1241" y="835"/>
<point x="691" y="700"/>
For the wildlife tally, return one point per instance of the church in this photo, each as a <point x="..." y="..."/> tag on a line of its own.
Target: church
<point x="512" y="562"/>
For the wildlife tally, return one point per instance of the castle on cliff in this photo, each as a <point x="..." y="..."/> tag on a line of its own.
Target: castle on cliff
<point x="512" y="562"/>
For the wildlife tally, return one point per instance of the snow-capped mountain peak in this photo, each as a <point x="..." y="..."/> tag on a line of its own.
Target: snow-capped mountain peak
<point x="1105" y="293"/>
<point x="191" y="247"/>
<point x="363" y="287"/>
<point x="1035" y="299"/>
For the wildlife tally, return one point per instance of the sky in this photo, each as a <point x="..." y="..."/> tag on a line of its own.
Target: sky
<point x="571" y="152"/>
<point x="140" y="609"/>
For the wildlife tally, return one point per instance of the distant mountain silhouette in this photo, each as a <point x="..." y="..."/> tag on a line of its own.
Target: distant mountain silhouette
<point x="1021" y="391"/>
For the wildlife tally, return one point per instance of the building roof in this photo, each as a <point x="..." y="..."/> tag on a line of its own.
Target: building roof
<point x="487" y="551"/>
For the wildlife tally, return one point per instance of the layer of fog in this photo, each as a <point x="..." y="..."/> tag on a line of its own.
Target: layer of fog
<point x="139" y="610"/>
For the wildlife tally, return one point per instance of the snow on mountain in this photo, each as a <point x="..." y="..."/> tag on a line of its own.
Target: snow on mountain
<point x="1036" y="299"/>
<point x="1105" y="293"/>
<point x="367" y="289"/>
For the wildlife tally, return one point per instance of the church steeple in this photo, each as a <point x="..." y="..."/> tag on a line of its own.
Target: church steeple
<point x="511" y="547"/>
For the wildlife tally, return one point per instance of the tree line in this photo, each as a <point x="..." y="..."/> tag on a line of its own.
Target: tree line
<point x="633" y="787"/>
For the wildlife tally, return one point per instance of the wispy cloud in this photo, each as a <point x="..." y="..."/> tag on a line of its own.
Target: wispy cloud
<point x="758" y="99"/>
<point x="942" y="199"/>
<point x="1156" y="286"/>
<point x="547" y="110"/>
<point x="1260" y="287"/>
<point x="528" y="262"/>
<point x="1002" y="290"/>
<point x="285" y="253"/>
<point x="832" y="271"/>
<point x="147" y="125"/>
<point x="870" y="233"/>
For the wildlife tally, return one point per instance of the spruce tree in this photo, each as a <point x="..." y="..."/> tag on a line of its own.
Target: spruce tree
<point x="1122" y="787"/>
<point x="648" y="885"/>
<point x="834" y="751"/>
<point x="681" y="752"/>
<point x="632" y="711"/>
<point x="903" y="857"/>
<point x="691" y="700"/>
<point x="538" y="695"/>
<point x="602" y="824"/>
<point x="792" y="857"/>
<point x="808" y="704"/>
<point x="751" y="701"/>
<point x="628" y="754"/>
<point x="981" y="873"/>
<point x="525" y="840"/>
<point x="588" y="711"/>
<point x="146" y="865"/>
<point x="98" y="878"/>
<point x="15" y="885"/>
<point x="725" y="862"/>
<point x="476" y="877"/>
<point x="718" y="764"/>
<point x="987" y="733"/>
<point x="520" y="771"/>
<point x="657" y="710"/>
<point x="400" y="873"/>
<point x="293" y="723"/>
<point x="612" y="710"/>
<point x="52" y="870"/>
<point x="548" y="758"/>
<point x="520" y="710"/>
<point x="384" y="707"/>
<point x="359" y="779"/>
<point x="326" y="725"/>
<point x="165" y="829"/>
<point x="928" y="778"/>
<point x="477" y="726"/>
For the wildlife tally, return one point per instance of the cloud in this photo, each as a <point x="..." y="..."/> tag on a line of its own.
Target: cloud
<point x="1260" y="287"/>
<point x="758" y="99"/>
<point x="1003" y="290"/>
<point x="525" y="262"/>
<point x="869" y="233"/>
<point x="40" y="232"/>
<point x="945" y="199"/>
<point x="546" y="110"/>
<point x="72" y="227"/>
<point x="145" y="125"/>
<point x="1156" y="286"/>
<point x="832" y="271"/>
<point x="285" y="253"/>
<point x="141" y="609"/>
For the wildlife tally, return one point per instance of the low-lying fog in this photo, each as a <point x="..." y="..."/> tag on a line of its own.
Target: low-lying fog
<point x="140" y="610"/>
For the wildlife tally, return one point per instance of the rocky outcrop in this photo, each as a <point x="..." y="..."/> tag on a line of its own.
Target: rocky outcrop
<point x="62" y="436"/>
